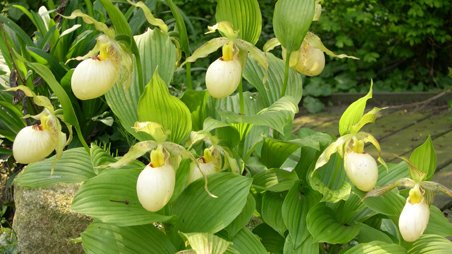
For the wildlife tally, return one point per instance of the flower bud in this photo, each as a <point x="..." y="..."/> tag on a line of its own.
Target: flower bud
<point x="33" y="143"/>
<point x="414" y="217"/>
<point x="361" y="169"/>
<point x="311" y="61"/>
<point x="223" y="77"/>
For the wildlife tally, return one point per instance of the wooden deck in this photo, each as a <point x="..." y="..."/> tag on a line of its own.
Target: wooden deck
<point x="400" y="129"/>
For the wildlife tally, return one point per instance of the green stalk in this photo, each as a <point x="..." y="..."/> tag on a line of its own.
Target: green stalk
<point x="188" y="76"/>
<point x="89" y="7"/>
<point x="286" y="74"/>
<point x="241" y="99"/>
<point x="183" y="39"/>
<point x="243" y="56"/>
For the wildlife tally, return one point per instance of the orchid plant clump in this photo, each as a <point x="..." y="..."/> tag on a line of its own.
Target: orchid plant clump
<point x="171" y="168"/>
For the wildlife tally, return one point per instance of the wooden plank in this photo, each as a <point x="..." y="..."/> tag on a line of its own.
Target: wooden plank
<point x="443" y="177"/>
<point x="390" y="123"/>
<point x="406" y="140"/>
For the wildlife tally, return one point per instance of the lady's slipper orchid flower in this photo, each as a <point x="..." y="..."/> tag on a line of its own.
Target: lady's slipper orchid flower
<point x="361" y="169"/>
<point x="224" y="74"/>
<point x="415" y="215"/>
<point x="155" y="184"/>
<point x="95" y="76"/>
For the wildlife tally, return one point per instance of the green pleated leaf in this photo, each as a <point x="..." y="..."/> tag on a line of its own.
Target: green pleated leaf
<point x="431" y="244"/>
<point x="331" y="181"/>
<point x="158" y="105"/>
<point x="271" y="211"/>
<point x="353" y="113"/>
<point x="438" y="224"/>
<point x="74" y="167"/>
<point x="272" y="240"/>
<point x="369" y="234"/>
<point x="244" y="15"/>
<point x="196" y="102"/>
<point x="11" y="121"/>
<point x="277" y="116"/>
<point x="244" y="217"/>
<point x="100" y="238"/>
<point x="424" y="159"/>
<point x="294" y="211"/>
<point x="291" y="22"/>
<point x="309" y="245"/>
<point x="391" y="203"/>
<point x="111" y="198"/>
<point x="274" y="152"/>
<point x="376" y="247"/>
<point x="394" y="172"/>
<point x="205" y="243"/>
<point x="275" y="180"/>
<point x="247" y="242"/>
<point x="324" y="227"/>
<point x="68" y="111"/>
<point x="196" y="211"/>
<point x="269" y="82"/>
<point x="155" y="49"/>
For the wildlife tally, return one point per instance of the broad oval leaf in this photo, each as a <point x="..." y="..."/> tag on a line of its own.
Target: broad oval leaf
<point x="244" y="217"/>
<point x="331" y="180"/>
<point x="244" y="15"/>
<point x="294" y="212"/>
<point x="197" y="211"/>
<point x="431" y="244"/>
<point x="291" y="22"/>
<point x="247" y="242"/>
<point x="325" y="228"/>
<point x="424" y="159"/>
<point x="158" y="105"/>
<point x="391" y="203"/>
<point x="438" y="224"/>
<point x="110" y="239"/>
<point x="271" y="211"/>
<point x="376" y="247"/>
<point x="205" y="243"/>
<point x="272" y="240"/>
<point x="369" y="234"/>
<point x="111" y="197"/>
<point x="274" y="152"/>
<point x="275" y="180"/>
<point x="73" y="167"/>
<point x="309" y="245"/>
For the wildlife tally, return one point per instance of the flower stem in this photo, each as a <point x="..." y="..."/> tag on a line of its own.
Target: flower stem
<point x="242" y="101"/>
<point x="188" y="76"/>
<point x="286" y="73"/>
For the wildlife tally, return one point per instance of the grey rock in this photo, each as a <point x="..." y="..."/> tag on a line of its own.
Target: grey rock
<point x="44" y="222"/>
